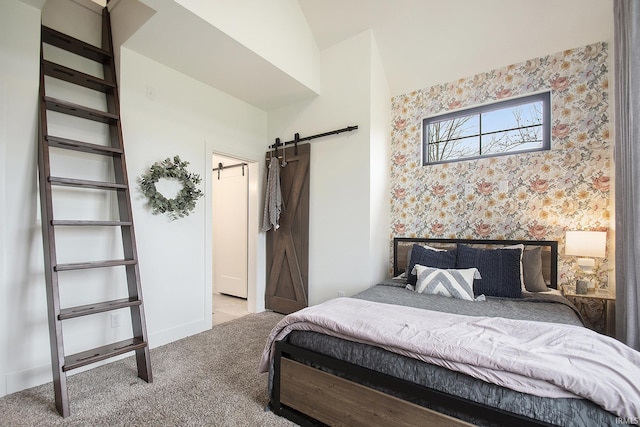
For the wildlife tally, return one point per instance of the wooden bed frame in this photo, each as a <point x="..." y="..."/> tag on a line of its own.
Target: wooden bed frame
<point x="310" y="396"/>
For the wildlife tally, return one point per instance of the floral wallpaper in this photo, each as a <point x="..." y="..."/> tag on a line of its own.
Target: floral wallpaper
<point x="523" y="196"/>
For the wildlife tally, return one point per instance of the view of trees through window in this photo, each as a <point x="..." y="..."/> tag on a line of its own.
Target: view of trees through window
<point x="507" y="127"/>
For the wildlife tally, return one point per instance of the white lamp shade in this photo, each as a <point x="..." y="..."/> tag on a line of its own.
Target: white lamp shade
<point x="586" y="243"/>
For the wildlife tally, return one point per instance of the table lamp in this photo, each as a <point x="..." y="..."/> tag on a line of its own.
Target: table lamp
<point x="586" y="245"/>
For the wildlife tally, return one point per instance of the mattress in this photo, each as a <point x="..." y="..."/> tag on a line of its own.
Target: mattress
<point x="543" y="307"/>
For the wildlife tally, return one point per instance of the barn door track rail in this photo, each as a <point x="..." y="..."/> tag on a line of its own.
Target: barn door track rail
<point x="296" y="140"/>
<point x="222" y="167"/>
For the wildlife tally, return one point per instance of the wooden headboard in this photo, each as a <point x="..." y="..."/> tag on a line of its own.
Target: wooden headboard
<point x="549" y="251"/>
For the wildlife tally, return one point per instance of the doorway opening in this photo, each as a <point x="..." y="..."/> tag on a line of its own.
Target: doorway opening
<point x="230" y="228"/>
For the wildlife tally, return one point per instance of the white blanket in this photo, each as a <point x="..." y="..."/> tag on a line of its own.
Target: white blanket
<point x="543" y="359"/>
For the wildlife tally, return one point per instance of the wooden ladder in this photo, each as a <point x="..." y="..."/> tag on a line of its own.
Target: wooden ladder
<point x="62" y="363"/>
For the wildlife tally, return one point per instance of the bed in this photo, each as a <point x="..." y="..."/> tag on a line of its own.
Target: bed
<point x="323" y="373"/>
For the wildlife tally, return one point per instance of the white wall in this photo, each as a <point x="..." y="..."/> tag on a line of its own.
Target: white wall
<point x="23" y="331"/>
<point x="340" y="238"/>
<point x="188" y="118"/>
<point x="380" y="170"/>
<point x="183" y="117"/>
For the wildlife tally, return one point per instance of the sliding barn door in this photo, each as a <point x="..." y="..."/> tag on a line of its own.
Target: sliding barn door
<point x="288" y="246"/>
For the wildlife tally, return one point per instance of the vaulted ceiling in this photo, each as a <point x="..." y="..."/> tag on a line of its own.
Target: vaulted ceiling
<point x="420" y="42"/>
<point x="425" y="42"/>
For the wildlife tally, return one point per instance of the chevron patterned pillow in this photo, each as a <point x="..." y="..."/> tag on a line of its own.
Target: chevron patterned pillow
<point x="449" y="283"/>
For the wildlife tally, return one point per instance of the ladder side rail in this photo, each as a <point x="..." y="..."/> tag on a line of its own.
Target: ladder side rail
<point x="50" y="259"/>
<point x="62" y="363"/>
<point x="125" y="212"/>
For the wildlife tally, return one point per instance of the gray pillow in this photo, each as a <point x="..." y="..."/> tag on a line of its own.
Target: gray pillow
<point x="532" y="270"/>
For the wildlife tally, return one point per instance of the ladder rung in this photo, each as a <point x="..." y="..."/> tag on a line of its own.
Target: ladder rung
<point x="76" y="77"/>
<point x="71" y="44"/>
<point x="70" y="182"/>
<point x="71" y="144"/>
<point x="102" y="353"/>
<point x="85" y="310"/>
<point x="85" y="223"/>
<point x="94" y="264"/>
<point x="81" y="111"/>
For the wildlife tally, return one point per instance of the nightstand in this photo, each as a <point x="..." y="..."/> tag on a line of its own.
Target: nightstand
<point x="598" y="308"/>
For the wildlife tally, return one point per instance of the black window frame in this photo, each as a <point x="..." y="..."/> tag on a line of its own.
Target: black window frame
<point x="544" y="97"/>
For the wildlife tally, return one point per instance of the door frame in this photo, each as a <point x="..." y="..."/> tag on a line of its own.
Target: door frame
<point x="256" y="240"/>
<point x="220" y="204"/>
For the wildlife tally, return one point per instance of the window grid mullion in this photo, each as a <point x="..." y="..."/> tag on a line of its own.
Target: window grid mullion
<point x="480" y="133"/>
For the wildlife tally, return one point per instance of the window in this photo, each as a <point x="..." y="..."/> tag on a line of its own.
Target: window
<point x="505" y="127"/>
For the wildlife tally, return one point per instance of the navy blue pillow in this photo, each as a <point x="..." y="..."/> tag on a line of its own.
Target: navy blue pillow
<point x="499" y="268"/>
<point x="429" y="258"/>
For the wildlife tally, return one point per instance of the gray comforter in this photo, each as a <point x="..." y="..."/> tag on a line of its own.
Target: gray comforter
<point x="547" y="308"/>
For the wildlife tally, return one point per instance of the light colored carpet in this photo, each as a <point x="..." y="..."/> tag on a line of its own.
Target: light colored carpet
<point x="207" y="379"/>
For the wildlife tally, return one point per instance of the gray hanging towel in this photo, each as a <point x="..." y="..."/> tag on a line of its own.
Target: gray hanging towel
<point x="273" y="197"/>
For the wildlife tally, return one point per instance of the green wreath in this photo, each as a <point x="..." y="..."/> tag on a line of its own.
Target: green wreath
<point x="185" y="201"/>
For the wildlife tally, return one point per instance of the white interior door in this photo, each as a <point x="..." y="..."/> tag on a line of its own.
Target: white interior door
<point x="230" y="210"/>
